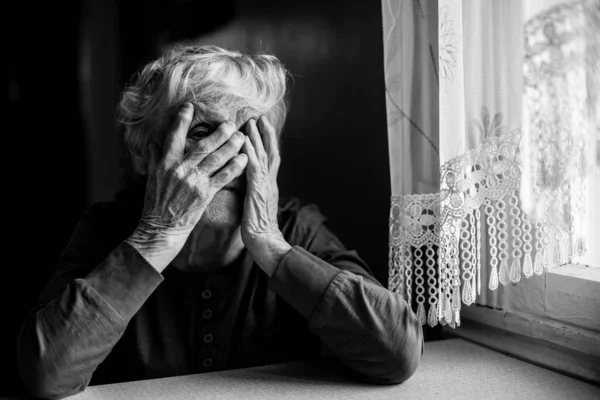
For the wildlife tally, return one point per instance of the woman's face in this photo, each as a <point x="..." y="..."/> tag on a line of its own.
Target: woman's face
<point x="226" y="208"/>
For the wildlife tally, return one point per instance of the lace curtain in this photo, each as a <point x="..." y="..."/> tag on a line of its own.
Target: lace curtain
<point x="492" y="129"/>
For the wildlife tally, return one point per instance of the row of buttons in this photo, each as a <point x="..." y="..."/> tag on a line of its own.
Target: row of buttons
<point x="208" y="338"/>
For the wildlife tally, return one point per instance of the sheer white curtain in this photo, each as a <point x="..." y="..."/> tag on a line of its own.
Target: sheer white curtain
<point x="493" y="193"/>
<point x="412" y="85"/>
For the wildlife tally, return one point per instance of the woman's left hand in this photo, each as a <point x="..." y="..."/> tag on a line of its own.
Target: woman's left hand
<point x="260" y="229"/>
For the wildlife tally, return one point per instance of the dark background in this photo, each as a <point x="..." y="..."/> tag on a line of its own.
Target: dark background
<point x="67" y="63"/>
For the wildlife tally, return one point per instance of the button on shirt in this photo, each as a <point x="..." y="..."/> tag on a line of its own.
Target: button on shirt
<point x="108" y="316"/>
<point x="207" y="314"/>
<point x="208" y="338"/>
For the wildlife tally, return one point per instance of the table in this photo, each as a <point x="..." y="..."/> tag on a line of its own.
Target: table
<point x="450" y="369"/>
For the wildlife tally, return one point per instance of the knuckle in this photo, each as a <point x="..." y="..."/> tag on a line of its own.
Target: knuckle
<point x="213" y="160"/>
<point x="235" y="165"/>
<point x="177" y="174"/>
<point x="197" y="185"/>
<point x="221" y="179"/>
<point x="195" y="182"/>
<point x="224" y="176"/>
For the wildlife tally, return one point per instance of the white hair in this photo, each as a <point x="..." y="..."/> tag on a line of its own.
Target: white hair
<point x="213" y="79"/>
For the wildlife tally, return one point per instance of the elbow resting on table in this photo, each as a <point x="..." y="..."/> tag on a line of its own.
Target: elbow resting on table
<point x="396" y="363"/>
<point x="399" y="364"/>
<point x="41" y="375"/>
<point x="406" y="360"/>
<point x="41" y="381"/>
<point x="41" y="385"/>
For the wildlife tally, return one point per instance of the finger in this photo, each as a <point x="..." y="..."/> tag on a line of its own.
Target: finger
<point x="233" y="169"/>
<point x="209" y="144"/>
<point x="175" y="140"/>
<point x="250" y="151"/>
<point x="271" y="142"/>
<point x="254" y="135"/>
<point x="270" y="136"/>
<point x="215" y="160"/>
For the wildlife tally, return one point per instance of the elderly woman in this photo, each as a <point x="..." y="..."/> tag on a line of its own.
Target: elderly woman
<point x="204" y="267"/>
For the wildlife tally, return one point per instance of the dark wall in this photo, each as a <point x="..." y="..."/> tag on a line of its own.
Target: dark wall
<point x="67" y="65"/>
<point x="44" y="170"/>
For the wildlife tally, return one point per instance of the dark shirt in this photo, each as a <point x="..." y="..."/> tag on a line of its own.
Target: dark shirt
<point x="108" y="316"/>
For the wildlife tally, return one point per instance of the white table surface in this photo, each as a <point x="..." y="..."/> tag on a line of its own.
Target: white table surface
<point x="450" y="369"/>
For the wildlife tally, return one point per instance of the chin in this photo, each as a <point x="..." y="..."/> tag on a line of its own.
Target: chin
<point x="225" y="210"/>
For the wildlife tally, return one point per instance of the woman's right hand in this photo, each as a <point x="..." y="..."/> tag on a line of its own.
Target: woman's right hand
<point x="181" y="185"/>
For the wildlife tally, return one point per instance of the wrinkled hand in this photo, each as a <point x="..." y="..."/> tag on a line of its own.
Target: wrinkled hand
<point x="180" y="186"/>
<point x="260" y="229"/>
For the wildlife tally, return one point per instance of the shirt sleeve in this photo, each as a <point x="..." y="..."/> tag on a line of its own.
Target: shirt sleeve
<point x="82" y="312"/>
<point x="370" y="330"/>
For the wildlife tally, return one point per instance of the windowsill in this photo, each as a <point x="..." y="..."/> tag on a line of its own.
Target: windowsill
<point x="573" y="295"/>
<point x="575" y="278"/>
<point x="565" y="339"/>
<point x="582" y="366"/>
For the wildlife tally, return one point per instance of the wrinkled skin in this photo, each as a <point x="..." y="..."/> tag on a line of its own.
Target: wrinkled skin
<point x="259" y="223"/>
<point x="188" y="202"/>
<point x="180" y="186"/>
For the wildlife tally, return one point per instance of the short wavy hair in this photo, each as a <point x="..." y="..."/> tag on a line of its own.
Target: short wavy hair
<point x="213" y="79"/>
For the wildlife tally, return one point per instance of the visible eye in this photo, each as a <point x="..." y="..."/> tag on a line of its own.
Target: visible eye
<point x="199" y="132"/>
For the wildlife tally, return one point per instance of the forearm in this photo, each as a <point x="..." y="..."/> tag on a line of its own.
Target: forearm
<point x="61" y="345"/>
<point x="269" y="253"/>
<point x="368" y="328"/>
<point x="157" y="245"/>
